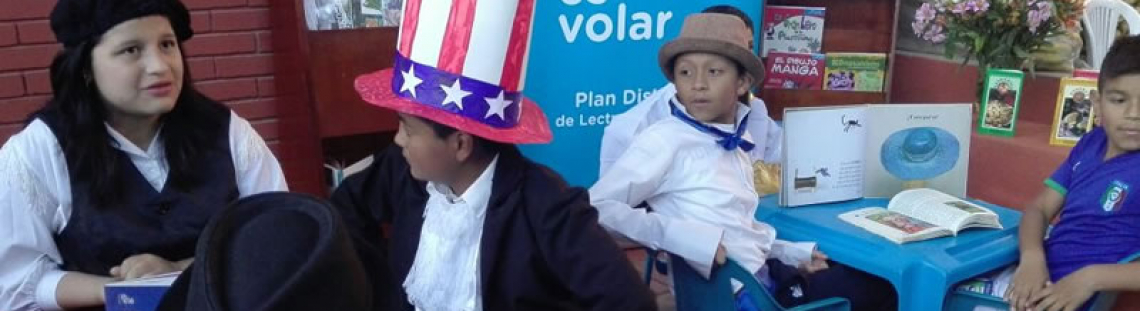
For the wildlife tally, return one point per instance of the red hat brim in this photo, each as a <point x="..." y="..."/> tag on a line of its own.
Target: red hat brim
<point x="533" y="127"/>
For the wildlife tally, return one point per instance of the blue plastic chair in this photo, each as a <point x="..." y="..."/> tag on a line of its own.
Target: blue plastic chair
<point x="694" y="293"/>
<point x="964" y="300"/>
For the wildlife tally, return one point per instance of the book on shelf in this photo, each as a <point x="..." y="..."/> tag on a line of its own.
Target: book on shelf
<point x="793" y="29"/>
<point x="859" y="72"/>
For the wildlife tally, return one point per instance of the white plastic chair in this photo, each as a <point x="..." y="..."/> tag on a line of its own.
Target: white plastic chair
<point x="1100" y="20"/>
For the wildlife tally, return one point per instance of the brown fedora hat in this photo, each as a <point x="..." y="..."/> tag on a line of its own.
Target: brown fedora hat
<point x="716" y="33"/>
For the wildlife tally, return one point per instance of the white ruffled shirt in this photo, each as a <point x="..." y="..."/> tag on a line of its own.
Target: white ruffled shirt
<point x="35" y="201"/>
<point x="445" y="273"/>
<point x="702" y="196"/>
<point x="619" y="134"/>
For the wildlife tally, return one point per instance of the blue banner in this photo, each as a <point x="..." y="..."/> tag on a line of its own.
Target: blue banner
<point x="593" y="59"/>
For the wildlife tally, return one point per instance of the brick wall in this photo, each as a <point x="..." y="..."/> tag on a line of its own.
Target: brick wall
<point x="230" y="57"/>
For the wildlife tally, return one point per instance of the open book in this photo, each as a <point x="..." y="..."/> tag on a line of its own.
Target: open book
<point x="841" y="153"/>
<point x="921" y="214"/>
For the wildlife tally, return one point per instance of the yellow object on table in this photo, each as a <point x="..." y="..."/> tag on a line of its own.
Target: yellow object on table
<point x="767" y="178"/>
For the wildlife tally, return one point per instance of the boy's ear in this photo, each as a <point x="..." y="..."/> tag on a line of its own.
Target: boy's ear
<point x="462" y="144"/>
<point x="743" y="84"/>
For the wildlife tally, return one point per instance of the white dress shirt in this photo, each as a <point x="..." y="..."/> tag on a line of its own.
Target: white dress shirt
<point x="35" y="201"/>
<point x="619" y="134"/>
<point x="445" y="273"/>
<point x="701" y="194"/>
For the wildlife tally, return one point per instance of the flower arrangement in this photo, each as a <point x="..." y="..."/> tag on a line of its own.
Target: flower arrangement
<point x="996" y="33"/>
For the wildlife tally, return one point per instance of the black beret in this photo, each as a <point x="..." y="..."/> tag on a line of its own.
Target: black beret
<point x="76" y="21"/>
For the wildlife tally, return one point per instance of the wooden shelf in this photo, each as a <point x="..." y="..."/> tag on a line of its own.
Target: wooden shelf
<point x="777" y="99"/>
<point x="866" y="26"/>
<point x="336" y="58"/>
<point x="322" y="117"/>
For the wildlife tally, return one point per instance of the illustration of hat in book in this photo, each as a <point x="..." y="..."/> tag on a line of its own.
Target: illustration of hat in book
<point x="918" y="154"/>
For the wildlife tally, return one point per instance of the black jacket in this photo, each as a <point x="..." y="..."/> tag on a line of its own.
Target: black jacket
<point x="541" y="249"/>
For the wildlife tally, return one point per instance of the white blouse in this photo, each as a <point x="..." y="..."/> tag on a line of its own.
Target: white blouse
<point x="35" y="201"/>
<point x="702" y="196"/>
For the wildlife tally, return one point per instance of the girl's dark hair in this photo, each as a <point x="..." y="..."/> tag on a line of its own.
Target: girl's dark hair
<point x="188" y="130"/>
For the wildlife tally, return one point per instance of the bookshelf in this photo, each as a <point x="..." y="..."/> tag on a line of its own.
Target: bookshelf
<point x="323" y="117"/>
<point x="850" y="26"/>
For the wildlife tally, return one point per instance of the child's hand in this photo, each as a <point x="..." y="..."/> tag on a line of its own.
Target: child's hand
<point x="1067" y="295"/>
<point x="817" y="263"/>
<point x="1029" y="279"/>
<point x="721" y="255"/>
<point x="143" y="265"/>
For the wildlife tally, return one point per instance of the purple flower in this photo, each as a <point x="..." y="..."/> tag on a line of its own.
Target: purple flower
<point x="972" y="5"/>
<point x="1035" y="18"/>
<point x="925" y="13"/>
<point x="918" y="27"/>
<point x="934" y="34"/>
<point x="959" y="8"/>
<point x="938" y="38"/>
<point x="1043" y="12"/>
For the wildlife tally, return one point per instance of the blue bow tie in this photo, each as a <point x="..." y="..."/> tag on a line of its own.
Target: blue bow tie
<point x="725" y="139"/>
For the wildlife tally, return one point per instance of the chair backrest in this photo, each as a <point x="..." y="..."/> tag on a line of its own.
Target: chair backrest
<point x="693" y="292"/>
<point x="1100" y="20"/>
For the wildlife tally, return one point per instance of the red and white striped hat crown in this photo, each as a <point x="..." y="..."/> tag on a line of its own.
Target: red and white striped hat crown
<point x="462" y="63"/>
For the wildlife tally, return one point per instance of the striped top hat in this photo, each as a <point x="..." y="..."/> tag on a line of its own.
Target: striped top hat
<point x="462" y="63"/>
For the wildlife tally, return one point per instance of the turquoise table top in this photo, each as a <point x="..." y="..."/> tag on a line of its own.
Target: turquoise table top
<point x="922" y="272"/>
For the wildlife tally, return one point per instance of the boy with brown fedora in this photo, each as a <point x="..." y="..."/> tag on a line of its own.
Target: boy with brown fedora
<point x="695" y="171"/>
<point x="473" y="224"/>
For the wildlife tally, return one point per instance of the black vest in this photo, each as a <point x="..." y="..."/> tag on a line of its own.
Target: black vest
<point x="165" y="222"/>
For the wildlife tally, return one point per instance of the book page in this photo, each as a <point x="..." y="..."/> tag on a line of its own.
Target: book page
<point x="894" y="226"/>
<point x="935" y="207"/>
<point x="823" y="155"/>
<point x="917" y="146"/>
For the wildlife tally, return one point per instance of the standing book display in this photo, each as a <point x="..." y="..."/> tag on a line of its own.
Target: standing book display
<point x="849" y="152"/>
<point x="1001" y="101"/>
<point x="1074" y="115"/>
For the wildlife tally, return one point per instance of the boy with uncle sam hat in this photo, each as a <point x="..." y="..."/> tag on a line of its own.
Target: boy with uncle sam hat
<point x="473" y="224"/>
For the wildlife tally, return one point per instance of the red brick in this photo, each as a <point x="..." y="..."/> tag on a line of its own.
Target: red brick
<point x="266" y="87"/>
<point x="201" y="68"/>
<point x="11" y="85"/>
<point x="256" y="109"/>
<point x="240" y="19"/>
<point x="227" y="90"/>
<point x="213" y="4"/>
<point x="25" y="9"/>
<point x="200" y="21"/>
<point x="36" y="32"/>
<point x="244" y="65"/>
<point x="265" y="42"/>
<point x="27" y="57"/>
<point x="221" y="44"/>
<point x="267" y="128"/>
<point x="8" y="35"/>
<point x="37" y="82"/>
<point x="17" y="109"/>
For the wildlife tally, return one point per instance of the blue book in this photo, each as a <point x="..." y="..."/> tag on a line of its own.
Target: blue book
<point x="142" y="294"/>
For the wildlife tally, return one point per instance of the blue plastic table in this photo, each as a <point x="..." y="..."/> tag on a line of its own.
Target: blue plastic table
<point x="922" y="272"/>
